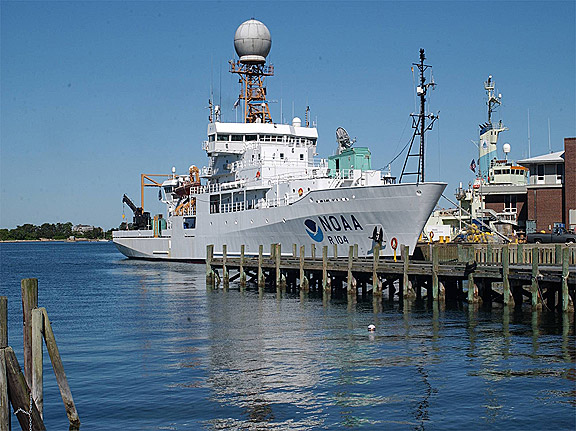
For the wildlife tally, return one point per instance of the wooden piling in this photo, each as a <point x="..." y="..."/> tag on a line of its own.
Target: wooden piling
<point x="225" y="275"/>
<point x="558" y="254"/>
<point x="508" y="298"/>
<point x="277" y="255"/>
<point x="435" y="264"/>
<point x="261" y="278"/>
<point x="304" y="284"/>
<point x="37" y="364"/>
<point x="567" y="305"/>
<point x="520" y="253"/>
<point x="534" y="290"/>
<point x="20" y="393"/>
<point x="355" y="251"/>
<point x="336" y="250"/>
<point x="29" y="287"/>
<point x="407" y="291"/>
<point x="209" y="271"/>
<point x="4" y="403"/>
<point x="242" y="272"/>
<point x="294" y="250"/>
<point x="325" y="285"/>
<point x="59" y="372"/>
<point x="349" y="287"/>
<point x="313" y="251"/>
<point x="376" y="285"/>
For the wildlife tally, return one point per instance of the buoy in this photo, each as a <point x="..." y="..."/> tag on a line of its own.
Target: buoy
<point x="371" y="328"/>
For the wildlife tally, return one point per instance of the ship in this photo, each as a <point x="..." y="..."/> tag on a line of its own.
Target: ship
<point x="264" y="185"/>
<point x="490" y="209"/>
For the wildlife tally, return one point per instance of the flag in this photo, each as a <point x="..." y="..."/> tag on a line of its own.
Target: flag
<point x="473" y="166"/>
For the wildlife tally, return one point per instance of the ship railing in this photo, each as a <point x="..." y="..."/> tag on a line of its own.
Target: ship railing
<point x="232" y="207"/>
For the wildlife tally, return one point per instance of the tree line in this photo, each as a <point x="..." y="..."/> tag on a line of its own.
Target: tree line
<point x="51" y="231"/>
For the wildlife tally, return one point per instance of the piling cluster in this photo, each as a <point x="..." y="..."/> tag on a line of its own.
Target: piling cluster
<point x="544" y="275"/>
<point x="24" y="390"/>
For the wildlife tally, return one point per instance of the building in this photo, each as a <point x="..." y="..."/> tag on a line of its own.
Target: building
<point x="551" y="191"/>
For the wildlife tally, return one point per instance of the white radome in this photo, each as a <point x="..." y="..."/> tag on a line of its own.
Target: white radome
<point x="252" y="42"/>
<point x="506" y="148"/>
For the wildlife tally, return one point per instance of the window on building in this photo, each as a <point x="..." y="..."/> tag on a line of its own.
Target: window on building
<point x="559" y="173"/>
<point x="301" y="156"/>
<point x="281" y="155"/>
<point x="540" y="174"/>
<point x="510" y="203"/>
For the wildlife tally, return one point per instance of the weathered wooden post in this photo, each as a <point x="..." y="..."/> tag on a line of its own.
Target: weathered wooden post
<point x="4" y="405"/>
<point x="313" y="251"/>
<point x="520" y="253"/>
<point x="325" y="284"/>
<point x="225" y="275"/>
<point x="567" y="305"/>
<point x="335" y="250"/>
<point x="29" y="287"/>
<point x="351" y="289"/>
<point x="294" y="250"/>
<point x="242" y="273"/>
<point x="435" y="266"/>
<point x="20" y="394"/>
<point x="558" y="254"/>
<point x="355" y="251"/>
<point x="461" y="253"/>
<point x="536" y="305"/>
<point x="261" y="278"/>
<point x="376" y="283"/>
<point x="489" y="254"/>
<point x="210" y="279"/>
<point x="59" y="372"/>
<point x="277" y="255"/>
<point x="508" y="298"/>
<point x="304" y="284"/>
<point x="407" y="291"/>
<point x="37" y="370"/>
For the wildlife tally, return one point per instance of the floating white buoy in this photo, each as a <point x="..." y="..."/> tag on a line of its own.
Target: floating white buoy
<point x="371" y="328"/>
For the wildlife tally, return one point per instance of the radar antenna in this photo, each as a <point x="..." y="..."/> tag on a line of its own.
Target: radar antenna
<point x="252" y="43"/>
<point x="343" y="139"/>
<point x="419" y="122"/>
<point x="493" y="100"/>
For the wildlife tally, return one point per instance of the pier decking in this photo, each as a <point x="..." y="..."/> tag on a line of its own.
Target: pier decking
<point x="544" y="274"/>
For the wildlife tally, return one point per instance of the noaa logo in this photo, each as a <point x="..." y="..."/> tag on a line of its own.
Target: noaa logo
<point x="314" y="230"/>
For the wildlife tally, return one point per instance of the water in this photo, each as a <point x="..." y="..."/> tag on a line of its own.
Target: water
<point x="147" y="347"/>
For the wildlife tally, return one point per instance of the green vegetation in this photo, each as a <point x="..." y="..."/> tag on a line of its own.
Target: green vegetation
<point x="51" y="231"/>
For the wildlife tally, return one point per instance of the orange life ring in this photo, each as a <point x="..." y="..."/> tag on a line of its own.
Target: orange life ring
<point x="394" y="243"/>
<point x="476" y="186"/>
<point x="300" y="191"/>
<point x="258" y="174"/>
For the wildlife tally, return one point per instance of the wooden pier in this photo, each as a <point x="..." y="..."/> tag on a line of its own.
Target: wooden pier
<point x="543" y="275"/>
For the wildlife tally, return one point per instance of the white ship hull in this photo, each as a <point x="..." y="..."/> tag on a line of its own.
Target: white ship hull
<point x="343" y="216"/>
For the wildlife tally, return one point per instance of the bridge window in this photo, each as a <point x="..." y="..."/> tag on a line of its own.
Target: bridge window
<point x="223" y="137"/>
<point x="237" y="138"/>
<point x="251" y="137"/>
<point x="211" y="138"/>
<point x="189" y="222"/>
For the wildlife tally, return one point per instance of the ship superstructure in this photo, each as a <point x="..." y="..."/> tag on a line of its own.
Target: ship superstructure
<point x="263" y="184"/>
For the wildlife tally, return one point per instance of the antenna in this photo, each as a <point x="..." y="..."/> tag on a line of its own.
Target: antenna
<point x="419" y="122"/>
<point x="529" y="133"/>
<point x="493" y="100"/>
<point x="549" y="145"/>
<point x="343" y="139"/>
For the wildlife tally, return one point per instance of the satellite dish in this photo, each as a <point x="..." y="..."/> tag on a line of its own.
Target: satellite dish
<point x="343" y="139"/>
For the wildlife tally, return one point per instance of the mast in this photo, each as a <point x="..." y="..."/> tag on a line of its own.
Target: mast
<point x="419" y="122"/>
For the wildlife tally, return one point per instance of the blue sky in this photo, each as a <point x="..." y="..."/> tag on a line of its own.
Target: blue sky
<point x="95" y="93"/>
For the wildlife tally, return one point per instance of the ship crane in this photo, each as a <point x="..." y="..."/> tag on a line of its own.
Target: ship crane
<point x="141" y="218"/>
